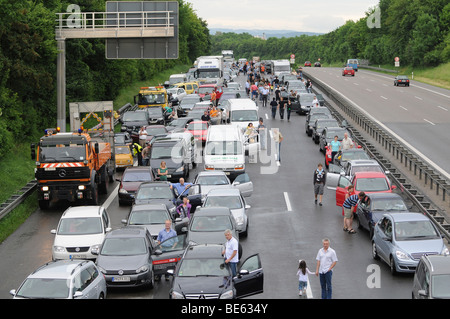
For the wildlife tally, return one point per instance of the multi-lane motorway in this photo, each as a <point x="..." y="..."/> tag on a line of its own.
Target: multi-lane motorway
<point x="285" y="224"/>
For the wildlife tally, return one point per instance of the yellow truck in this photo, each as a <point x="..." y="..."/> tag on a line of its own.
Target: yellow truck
<point x="151" y="96"/>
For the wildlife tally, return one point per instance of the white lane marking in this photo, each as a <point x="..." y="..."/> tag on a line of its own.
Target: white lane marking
<point x="355" y="83"/>
<point x="267" y="116"/>
<point x="429" y="122"/>
<point x="417" y="97"/>
<point x="383" y="97"/>
<point x="369" y="90"/>
<point x="442" y="108"/>
<point x="403" y="108"/>
<point x="288" y="202"/>
<point x="111" y="197"/>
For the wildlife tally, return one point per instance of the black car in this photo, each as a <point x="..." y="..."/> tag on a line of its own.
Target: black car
<point x="317" y="64"/>
<point x="311" y="118"/>
<point x="157" y="115"/>
<point x="187" y="104"/>
<point x="202" y="274"/>
<point x="180" y="124"/>
<point x="129" y="257"/>
<point x="175" y="153"/>
<point x="161" y="193"/>
<point x="130" y="181"/>
<point x="328" y="135"/>
<point x="401" y="80"/>
<point x="132" y="121"/>
<point x="319" y="125"/>
<point x="379" y="204"/>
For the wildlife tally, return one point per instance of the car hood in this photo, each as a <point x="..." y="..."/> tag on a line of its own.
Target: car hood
<point x="170" y="163"/>
<point x="131" y="186"/>
<point x="122" y="262"/>
<point x="153" y="229"/>
<point x="421" y="246"/>
<point x="168" y="202"/>
<point x="207" y="237"/>
<point x="206" y="188"/>
<point x="78" y="240"/>
<point x="202" y="285"/>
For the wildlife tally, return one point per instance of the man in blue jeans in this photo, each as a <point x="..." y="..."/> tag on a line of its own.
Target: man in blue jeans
<point x="326" y="260"/>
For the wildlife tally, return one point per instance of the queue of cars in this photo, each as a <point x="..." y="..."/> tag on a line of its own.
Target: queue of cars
<point x="407" y="241"/>
<point x="132" y="255"/>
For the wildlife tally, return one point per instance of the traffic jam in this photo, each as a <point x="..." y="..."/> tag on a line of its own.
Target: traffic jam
<point x="186" y="228"/>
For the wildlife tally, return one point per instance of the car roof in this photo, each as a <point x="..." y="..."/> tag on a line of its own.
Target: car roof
<point x="61" y="269"/>
<point x="208" y="211"/>
<point x="137" y="169"/>
<point x="440" y="264"/>
<point x="81" y="211"/>
<point x="127" y="231"/>
<point x="211" y="173"/>
<point x="363" y="162"/>
<point x="370" y="175"/>
<point x="224" y="192"/>
<point x="204" y="251"/>
<point x="410" y="216"/>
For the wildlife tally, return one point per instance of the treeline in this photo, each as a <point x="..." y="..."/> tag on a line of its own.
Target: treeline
<point x="417" y="31"/>
<point x="28" y="64"/>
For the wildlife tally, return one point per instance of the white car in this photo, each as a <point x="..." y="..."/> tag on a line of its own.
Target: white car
<point x="216" y="179"/>
<point x="80" y="230"/>
<point x="178" y="93"/>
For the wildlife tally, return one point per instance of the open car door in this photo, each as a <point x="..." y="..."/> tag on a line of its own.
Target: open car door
<point x="250" y="278"/>
<point x="244" y="184"/>
<point x="166" y="255"/>
<point x="341" y="190"/>
<point x="333" y="174"/>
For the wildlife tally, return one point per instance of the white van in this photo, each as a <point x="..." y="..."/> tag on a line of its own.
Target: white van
<point x="241" y="112"/>
<point x="224" y="150"/>
<point x="177" y="78"/>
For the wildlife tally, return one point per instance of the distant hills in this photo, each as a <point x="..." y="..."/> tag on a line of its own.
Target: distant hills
<point x="268" y="33"/>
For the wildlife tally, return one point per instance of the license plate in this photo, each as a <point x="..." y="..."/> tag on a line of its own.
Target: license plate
<point x="77" y="257"/>
<point x="227" y="173"/>
<point x="169" y="176"/>
<point x="121" y="279"/>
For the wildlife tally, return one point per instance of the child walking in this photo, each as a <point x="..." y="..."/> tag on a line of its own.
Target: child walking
<point x="302" y="274"/>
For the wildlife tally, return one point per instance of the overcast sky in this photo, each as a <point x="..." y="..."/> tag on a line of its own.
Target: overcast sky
<point x="320" y="16"/>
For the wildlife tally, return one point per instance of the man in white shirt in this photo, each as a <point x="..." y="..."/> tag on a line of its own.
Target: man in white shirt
<point x="231" y="252"/>
<point x="326" y="260"/>
<point x="347" y="142"/>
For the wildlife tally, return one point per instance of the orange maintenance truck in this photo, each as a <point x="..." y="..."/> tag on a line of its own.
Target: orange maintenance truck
<point x="73" y="166"/>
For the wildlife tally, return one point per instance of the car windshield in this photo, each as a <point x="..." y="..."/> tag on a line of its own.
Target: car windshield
<point x="119" y="139"/>
<point x="213" y="180"/>
<point x="134" y="116"/>
<point x="123" y="247"/>
<point x="44" y="288"/>
<point x="160" y="152"/>
<point x="439" y="286"/>
<point x="322" y="124"/>
<point x="157" y="98"/>
<point x="122" y="150"/>
<point x="224" y="148"/>
<point x="203" y="267"/>
<point x="354" y="155"/>
<point x="211" y="223"/>
<point x="155" y="130"/>
<point x="62" y="153"/>
<point x="413" y="230"/>
<point x="141" y="176"/>
<point x="154" y="192"/>
<point x="232" y="202"/>
<point x="148" y="217"/>
<point x="371" y="185"/>
<point x="244" y="116"/>
<point x="388" y="204"/>
<point x="80" y="226"/>
<point x="369" y="168"/>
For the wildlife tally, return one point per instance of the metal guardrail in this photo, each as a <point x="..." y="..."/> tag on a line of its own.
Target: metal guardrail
<point x="18" y="198"/>
<point x="402" y="154"/>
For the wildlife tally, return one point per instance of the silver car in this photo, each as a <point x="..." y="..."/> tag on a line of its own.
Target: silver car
<point x="401" y="239"/>
<point x="233" y="199"/>
<point x="209" y="180"/>
<point x="63" y="279"/>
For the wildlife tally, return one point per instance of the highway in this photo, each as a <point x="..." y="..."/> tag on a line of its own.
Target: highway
<point x="419" y="114"/>
<point x="285" y="224"/>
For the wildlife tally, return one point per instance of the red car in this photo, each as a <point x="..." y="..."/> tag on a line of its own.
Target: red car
<point x="199" y="129"/>
<point x="307" y="63"/>
<point x="348" y="71"/>
<point x="205" y="89"/>
<point x="368" y="182"/>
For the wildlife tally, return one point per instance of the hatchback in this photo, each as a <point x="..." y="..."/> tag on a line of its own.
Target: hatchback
<point x="402" y="239"/>
<point x="63" y="279"/>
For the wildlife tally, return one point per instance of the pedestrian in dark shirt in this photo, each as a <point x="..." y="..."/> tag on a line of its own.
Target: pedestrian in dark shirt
<point x="274" y="105"/>
<point x="320" y="177"/>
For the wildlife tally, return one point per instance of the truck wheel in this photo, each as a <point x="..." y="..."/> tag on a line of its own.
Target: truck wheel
<point x="94" y="200"/>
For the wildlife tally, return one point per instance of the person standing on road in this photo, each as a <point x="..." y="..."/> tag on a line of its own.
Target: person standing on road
<point x="265" y="94"/>
<point x="146" y="154"/>
<point x="142" y="136"/>
<point x="320" y="177"/>
<point x="335" y="147"/>
<point x="347" y="142"/>
<point x="274" y="105"/>
<point x="278" y="138"/>
<point x="231" y="252"/>
<point x="282" y="107"/>
<point x="288" y="109"/>
<point x="262" y="134"/>
<point x="326" y="261"/>
<point x="350" y="192"/>
<point x="162" y="171"/>
<point x="349" y="207"/>
<point x="302" y="274"/>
